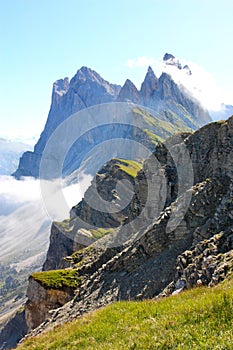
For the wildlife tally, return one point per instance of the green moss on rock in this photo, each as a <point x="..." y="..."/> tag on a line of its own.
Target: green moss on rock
<point x="57" y="279"/>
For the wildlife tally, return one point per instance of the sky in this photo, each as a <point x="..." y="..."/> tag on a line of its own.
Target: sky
<point x="42" y="41"/>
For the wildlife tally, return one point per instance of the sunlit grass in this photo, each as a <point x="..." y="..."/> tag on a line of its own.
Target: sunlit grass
<point x="130" y="167"/>
<point x="201" y="318"/>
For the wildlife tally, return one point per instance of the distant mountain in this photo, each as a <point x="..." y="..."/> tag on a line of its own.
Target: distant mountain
<point x="87" y="88"/>
<point x="10" y="152"/>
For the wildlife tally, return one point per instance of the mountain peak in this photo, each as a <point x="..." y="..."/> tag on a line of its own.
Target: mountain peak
<point x="168" y="56"/>
<point x="129" y="92"/>
<point x="170" y="60"/>
<point x="61" y="86"/>
<point x="149" y="85"/>
<point x="150" y="70"/>
<point x="85" y="73"/>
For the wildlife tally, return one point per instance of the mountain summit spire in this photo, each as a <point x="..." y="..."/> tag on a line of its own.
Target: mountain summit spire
<point x="149" y="85"/>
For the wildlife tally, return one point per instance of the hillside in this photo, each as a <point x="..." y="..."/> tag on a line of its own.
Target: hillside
<point x="200" y="318"/>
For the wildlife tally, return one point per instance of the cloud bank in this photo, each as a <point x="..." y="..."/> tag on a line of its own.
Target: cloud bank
<point x="24" y="220"/>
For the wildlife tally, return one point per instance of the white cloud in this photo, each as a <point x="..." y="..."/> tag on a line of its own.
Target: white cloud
<point x="24" y="219"/>
<point x="201" y="84"/>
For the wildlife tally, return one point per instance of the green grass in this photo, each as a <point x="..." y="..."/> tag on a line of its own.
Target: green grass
<point x="130" y="167"/>
<point x="101" y="232"/>
<point x="147" y="117"/>
<point x="154" y="138"/>
<point x="57" y="279"/>
<point x="200" y="318"/>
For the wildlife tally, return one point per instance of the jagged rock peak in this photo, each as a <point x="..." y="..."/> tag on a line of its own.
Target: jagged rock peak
<point x="170" y="60"/>
<point x="187" y="69"/>
<point x="168" y="56"/>
<point x="129" y="92"/>
<point x="149" y="85"/>
<point x="85" y="74"/>
<point x="61" y="86"/>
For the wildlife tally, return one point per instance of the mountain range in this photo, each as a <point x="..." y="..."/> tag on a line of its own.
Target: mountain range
<point x="87" y="88"/>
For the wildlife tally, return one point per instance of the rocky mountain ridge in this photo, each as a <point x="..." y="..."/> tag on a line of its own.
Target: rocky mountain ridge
<point x="157" y="261"/>
<point x="87" y="88"/>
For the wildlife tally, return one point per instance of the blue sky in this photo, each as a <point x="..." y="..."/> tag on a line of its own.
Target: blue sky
<point x="44" y="40"/>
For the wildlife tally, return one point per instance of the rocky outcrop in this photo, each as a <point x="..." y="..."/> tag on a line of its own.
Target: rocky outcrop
<point x="209" y="262"/>
<point x="47" y="294"/>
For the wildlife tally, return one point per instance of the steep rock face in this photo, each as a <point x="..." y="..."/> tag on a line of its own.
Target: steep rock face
<point x="76" y="233"/>
<point x="201" y="240"/>
<point x="41" y="300"/>
<point x="211" y="150"/>
<point x="61" y="245"/>
<point x="86" y="88"/>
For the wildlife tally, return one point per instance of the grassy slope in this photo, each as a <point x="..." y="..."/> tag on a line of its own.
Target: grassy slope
<point x="130" y="167"/>
<point x="201" y="318"/>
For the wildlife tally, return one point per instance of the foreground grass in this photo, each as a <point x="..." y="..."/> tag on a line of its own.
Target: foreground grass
<point x="201" y="318"/>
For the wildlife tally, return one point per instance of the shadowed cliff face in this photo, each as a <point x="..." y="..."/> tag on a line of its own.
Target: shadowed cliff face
<point x="197" y="249"/>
